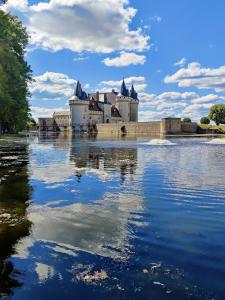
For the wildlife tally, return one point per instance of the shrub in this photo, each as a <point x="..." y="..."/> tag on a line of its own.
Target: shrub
<point x="205" y="120"/>
<point x="187" y="120"/>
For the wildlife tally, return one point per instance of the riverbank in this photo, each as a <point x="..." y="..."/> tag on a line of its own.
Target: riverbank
<point x="219" y="128"/>
<point x="200" y="135"/>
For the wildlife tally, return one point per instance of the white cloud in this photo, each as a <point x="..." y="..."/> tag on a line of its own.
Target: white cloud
<point x="82" y="25"/>
<point x="87" y="86"/>
<point x="80" y="58"/>
<point x="20" y="5"/>
<point x="177" y="96"/>
<point x="138" y="81"/>
<point x="53" y="84"/>
<point x="125" y="59"/>
<point x="208" y="98"/>
<point x="38" y="112"/>
<point x="147" y="99"/>
<point x="202" y="78"/>
<point x="181" y="62"/>
<point x="175" y="104"/>
<point x="157" y="19"/>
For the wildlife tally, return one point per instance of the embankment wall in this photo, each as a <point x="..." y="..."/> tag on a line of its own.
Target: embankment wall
<point x="139" y="128"/>
<point x="166" y="126"/>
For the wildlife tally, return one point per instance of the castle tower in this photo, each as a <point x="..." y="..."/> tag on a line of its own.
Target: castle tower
<point x="123" y="102"/>
<point x="79" y="109"/>
<point x="133" y="105"/>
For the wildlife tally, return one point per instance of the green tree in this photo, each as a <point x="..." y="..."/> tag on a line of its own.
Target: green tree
<point x="205" y="120"/>
<point x="15" y="74"/>
<point x="31" y="121"/>
<point x="217" y="114"/>
<point x="187" y="120"/>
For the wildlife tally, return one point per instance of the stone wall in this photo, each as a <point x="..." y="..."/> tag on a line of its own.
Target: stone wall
<point x="47" y="124"/>
<point x="166" y="126"/>
<point x="141" y="128"/>
<point x="189" y="127"/>
<point x="62" y="121"/>
<point x="95" y="117"/>
<point x="170" y="126"/>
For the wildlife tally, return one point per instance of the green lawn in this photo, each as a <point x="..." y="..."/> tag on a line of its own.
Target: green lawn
<point x="220" y="128"/>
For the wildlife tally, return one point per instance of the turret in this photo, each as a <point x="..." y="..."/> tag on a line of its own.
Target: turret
<point x="123" y="102"/>
<point x="133" y="105"/>
<point x="79" y="111"/>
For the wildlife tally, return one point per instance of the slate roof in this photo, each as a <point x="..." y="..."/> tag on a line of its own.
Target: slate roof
<point x="115" y="112"/>
<point x="93" y="105"/>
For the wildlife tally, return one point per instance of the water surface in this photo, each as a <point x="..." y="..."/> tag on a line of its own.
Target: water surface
<point x="115" y="219"/>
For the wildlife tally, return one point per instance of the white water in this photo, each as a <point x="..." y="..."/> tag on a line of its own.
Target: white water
<point x="159" y="142"/>
<point x="220" y="141"/>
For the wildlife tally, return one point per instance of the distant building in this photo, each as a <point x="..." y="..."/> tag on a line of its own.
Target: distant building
<point x="87" y="110"/>
<point x="62" y="120"/>
<point x="47" y="124"/>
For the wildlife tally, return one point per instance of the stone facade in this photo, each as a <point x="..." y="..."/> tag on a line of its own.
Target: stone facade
<point x="62" y="120"/>
<point x="142" y="128"/>
<point x="47" y="124"/>
<point x="98" y="108"/>
<point x="170" y="126"/>
<point x="167" y="126"/>
<point x="189" y="127"/>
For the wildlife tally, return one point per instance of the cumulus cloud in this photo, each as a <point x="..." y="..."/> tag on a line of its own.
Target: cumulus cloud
<point x="125" y="59"/>
<point x="20" y="5"/>
<point x="181" y="62"/>
<point x="211" y="98"/>
<point x="52" y="84"/>
<point x="175" y="104"/>
<point x="138" y="81"/>
<point x="38" y="111"/>
<point x="82" y="25"/>
<point x="202" y="78"/>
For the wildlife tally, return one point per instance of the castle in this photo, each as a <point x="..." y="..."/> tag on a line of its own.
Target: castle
<point x="110" y="113"/>
<point x="88" y="110"/>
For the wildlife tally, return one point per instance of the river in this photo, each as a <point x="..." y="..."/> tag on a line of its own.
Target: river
<point x="133" y="218"/>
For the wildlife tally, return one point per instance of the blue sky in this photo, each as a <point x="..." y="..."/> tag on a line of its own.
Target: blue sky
<point x="173" y="51"/>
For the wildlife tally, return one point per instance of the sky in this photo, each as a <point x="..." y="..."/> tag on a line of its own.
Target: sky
<point x="173" y="52"/>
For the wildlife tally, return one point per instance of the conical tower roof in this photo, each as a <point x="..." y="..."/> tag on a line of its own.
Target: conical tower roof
<point x="79" y="93"/>
<point x="123" y="90"/>
<point x="78" y="90"/>
<point x="133" y="93"/>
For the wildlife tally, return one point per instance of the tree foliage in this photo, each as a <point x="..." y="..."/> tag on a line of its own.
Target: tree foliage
<point x="187" y="120"/>
<point x="217" y="114"/>
<point x="15" y="74"/>
<point x="205" y="120"/>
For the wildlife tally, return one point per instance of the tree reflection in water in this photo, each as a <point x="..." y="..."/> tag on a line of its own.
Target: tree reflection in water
<point x="14" y="199"/>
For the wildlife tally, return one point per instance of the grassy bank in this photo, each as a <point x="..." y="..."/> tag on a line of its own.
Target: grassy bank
<point x="219" y="128"/>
